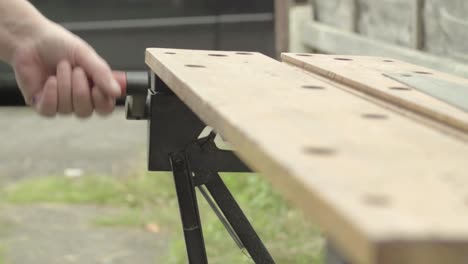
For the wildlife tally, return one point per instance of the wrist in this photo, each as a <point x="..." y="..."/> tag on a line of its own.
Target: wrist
<point x="17" y="33"/>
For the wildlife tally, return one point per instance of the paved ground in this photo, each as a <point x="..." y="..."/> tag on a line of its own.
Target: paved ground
<point x="60" y="234"/>
<point x="44" y="234"/>
<point x="31" y="146"/>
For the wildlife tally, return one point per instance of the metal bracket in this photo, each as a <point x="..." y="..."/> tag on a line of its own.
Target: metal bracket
<point x="172" y="125"/>
<point x="177" y="143"/>
<point x="136" y="103"/>
<point x="192" y="167"/>
<point x="333" y="256"/>
<point x="453" y="93"/>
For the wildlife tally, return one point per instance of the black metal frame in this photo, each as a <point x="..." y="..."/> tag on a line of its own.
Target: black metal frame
<point x="219" y="198"/>
<point x="174" y="145"/>
<point x="188" y="206"/>
<point x="333" y="255"/>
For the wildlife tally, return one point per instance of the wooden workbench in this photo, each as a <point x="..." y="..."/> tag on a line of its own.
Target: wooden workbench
<point x="380" y="166"/>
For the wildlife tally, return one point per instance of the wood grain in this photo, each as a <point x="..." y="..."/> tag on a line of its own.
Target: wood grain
<point x="385" y="189"/>
<point x="366" y="74"/>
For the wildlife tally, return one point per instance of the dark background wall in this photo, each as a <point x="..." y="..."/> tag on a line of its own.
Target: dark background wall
<point x="121" y="30"/>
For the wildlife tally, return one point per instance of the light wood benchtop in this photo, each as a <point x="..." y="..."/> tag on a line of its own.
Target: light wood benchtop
<point x="385" y="189"/>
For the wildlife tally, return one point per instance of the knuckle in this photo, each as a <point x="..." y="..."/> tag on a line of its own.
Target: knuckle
<point x="80" y="94"/>
<point x="46" y="113"/>
<point x="78" y="72"/>
<point x="105" y="111"/>
<point x="63" y="66"/>
<point x="84" y="113"/>
<point x="65" y="110"/>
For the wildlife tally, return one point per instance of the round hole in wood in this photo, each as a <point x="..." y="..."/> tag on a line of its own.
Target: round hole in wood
<point x="343" y="59"/>
<point x="400" y="88"/>
<point x="244" y="53"/>
<point x="304" y="55"/>
<point x="423" y="72"/>
<point x="169" y="52"/>
<point x="388" y="61"/>
<point x="377" y="200"/>
<point x="313" y="87"/>
<point x="194" y="66"/>
<point x="374" y="116"/>
<point x="217" y="55"/>
<point x="319" y="151"/>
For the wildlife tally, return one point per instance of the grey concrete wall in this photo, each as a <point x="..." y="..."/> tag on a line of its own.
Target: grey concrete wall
<point x="337" y="13"/>
<point x="389" y="20"/>
<point x="445" y="22"/>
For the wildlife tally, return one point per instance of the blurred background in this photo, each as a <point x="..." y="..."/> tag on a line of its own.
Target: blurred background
<point x="121" y="30"/>
<point x="77" y="191"/>
<point x="430" y="33"/>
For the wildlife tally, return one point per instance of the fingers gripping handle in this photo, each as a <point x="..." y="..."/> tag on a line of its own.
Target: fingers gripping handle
<point x="132" y="83"/>
<point x="121" y="78"/>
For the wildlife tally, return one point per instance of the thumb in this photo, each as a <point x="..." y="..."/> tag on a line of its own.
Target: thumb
<point x="97" y="70"/>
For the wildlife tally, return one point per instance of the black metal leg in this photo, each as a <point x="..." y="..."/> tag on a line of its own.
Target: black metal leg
<point x="174" y="130"/>
<point x="333" y="256"/>
<point x="188" y="207"/>
<point x="237" y="220"/>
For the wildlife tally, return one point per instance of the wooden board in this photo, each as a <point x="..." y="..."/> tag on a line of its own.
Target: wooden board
<point x="385" y="189"/>
<point x="366" y="74"/>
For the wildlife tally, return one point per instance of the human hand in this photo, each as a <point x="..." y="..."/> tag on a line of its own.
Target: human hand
<point x="54" y="70"/>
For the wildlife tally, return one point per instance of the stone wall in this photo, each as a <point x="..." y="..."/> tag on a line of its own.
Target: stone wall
<point x="446" y="31"/>
<point x="445" y="22"/>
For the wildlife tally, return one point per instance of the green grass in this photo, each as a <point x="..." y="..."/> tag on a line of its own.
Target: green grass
<point x="150" y="198"/>
<point x="5" y="228"/>
<point x="2" y="252"/>
<point x="287" y="234"/>
<point x="98" y="189"/>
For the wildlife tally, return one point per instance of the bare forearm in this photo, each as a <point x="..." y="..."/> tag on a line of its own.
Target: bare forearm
<point x="19" y="21"/>
<point x="53" y="67"/>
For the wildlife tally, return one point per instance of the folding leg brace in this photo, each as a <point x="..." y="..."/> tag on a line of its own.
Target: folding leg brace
<point x="171" y="126"/>
<point x="173" y="146"/>
<point x="221" y="201"/>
